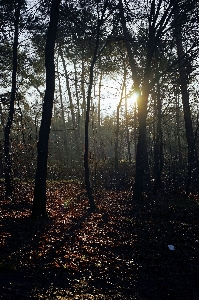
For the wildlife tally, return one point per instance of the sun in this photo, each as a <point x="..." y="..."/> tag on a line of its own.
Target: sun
<point x="132" y="99"/>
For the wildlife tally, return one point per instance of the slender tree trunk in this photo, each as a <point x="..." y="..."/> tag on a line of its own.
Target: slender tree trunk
<point x="158" y="147"/>
<point x="87" y="119"/>
<point x="99" y="102"/>
<point x="193" y="165"/>
<point x="178" y="129"/>
<point x="135" y="129"/>
<point x="39" y="201"/>
<point x="118" y="121"/>
<point x="77" y="98"/>
<point x="63" y="120"/>
<point x="127" y="128"/>
<point x="83" y="95"/>
<point x="8" y="167"/>
<point x="101" y="154"/>
<point x="71" y="104"/>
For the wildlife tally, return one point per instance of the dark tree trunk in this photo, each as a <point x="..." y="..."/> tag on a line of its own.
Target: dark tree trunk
<point x="135" y="129"/>
<point x="39" y="201"/>
<point x="87" y="119"/>
<point x="83" y="89"/>
<point x="8" y="164"/>
<point x="184" y="74"/>
<point x="157" y="27"/>
<point x="141" y="154"/>
<point x="158" y="147"/>
<point x="178" y="129"/>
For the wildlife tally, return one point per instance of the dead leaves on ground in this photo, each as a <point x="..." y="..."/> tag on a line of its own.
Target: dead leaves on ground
<point x="119" y="252"/>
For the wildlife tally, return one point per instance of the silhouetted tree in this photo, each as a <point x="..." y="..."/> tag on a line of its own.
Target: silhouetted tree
<point x="8" y="167"/>
<point x="39" y="201"/>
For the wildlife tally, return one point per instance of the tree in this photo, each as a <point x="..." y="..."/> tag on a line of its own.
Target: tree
<point x="118" y="119"/>
<point x="158" y="145"/>
<point x="88" y="102"/>
<point x="185" y="68"/>
<point x="158" y="29"/>
<point x="8" y="167"/>
<point x="39" y="201"/>
<point x="143" y="92"/>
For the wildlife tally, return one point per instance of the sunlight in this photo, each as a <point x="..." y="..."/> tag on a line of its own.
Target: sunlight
<point x="132" y="99"/>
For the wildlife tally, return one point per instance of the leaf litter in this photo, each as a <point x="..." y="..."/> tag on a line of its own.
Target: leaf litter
<point x="119" y="252"/>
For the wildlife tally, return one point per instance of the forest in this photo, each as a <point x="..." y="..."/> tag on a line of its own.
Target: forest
<point x="99" y="143"/>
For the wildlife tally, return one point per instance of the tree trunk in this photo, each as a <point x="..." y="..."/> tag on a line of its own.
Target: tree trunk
<point x="135" y="130"/>
<point x="99" y="103"/>
<point x="178" y="129"/>
<point x="141" y="154"/>
<point x="127" y="129"/>
<point x="71" y="104"/>
<point x="87" y="119"/>
<point x="83" y="106"/>
<point x="39" y="201"/>
<point x="183" y="79"/>
<point x="63" y="120"/>
<point x="118" y="121"/>
<point x="158" y="147"/>
<point x="77" y="98"/>
<point x="8" y="164"/>
<point x="86" y="153"/>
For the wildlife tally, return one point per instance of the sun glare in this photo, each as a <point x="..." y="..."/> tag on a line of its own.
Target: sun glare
<point x="132" y="99"/>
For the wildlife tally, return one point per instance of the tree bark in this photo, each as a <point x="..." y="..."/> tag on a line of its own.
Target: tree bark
<point x="39" y="201"/>
<point x="8" y="164"/>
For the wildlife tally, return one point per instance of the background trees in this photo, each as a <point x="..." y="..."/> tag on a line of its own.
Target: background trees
<point x="15" y="9"/>
<point x="147" y="143"/>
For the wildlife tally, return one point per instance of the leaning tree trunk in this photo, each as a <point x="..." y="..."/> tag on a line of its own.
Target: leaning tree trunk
<point x="39" y="201"/>
<point x="184" y="66"/>
<point x="8" y="167"/>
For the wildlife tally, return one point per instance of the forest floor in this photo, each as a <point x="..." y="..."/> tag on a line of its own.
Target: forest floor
<point x="145" y="249"/>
